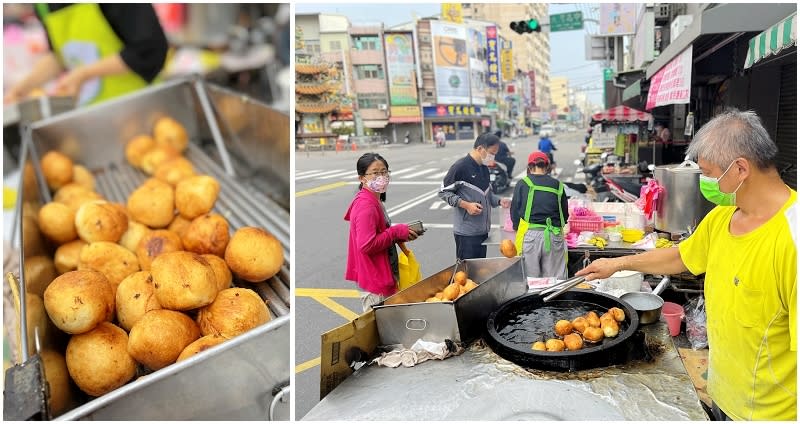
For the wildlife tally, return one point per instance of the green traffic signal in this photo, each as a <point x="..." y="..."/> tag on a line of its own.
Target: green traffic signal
<point x="533" y="25"/>
<point x="525" y="27"/>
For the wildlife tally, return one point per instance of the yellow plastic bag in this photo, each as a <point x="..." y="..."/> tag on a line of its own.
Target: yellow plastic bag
<point x="408" y="266"/>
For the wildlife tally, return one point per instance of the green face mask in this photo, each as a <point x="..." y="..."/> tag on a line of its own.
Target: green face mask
<point x="710" y="188"/>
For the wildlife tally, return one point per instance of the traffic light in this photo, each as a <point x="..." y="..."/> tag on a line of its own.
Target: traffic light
<point x="526" y="27"/>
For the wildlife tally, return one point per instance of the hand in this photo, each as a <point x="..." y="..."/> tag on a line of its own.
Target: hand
<point x="600" y="268"/>
<point x="473" y="208"/>
<point x="70" y="84"/>
<point x="412" y="235"/>
<point x="505" y="202"/>
<point x="14" y="95"/>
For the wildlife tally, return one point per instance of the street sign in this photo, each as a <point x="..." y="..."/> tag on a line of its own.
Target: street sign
<point x="566" y="21"/>
<point x="608" y="74"/>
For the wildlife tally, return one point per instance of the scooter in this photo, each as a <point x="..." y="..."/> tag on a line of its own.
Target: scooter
<point x="498" y="176"/>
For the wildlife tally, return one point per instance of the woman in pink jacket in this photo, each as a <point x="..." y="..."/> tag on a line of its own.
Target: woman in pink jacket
<point x="371" y="253"/>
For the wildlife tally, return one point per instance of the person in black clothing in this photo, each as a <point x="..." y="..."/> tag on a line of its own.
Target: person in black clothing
<point x="504" y="156"/>
<point x="539" y="213"/>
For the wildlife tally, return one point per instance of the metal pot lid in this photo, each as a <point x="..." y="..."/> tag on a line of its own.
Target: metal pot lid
<point x="686" y="166"/>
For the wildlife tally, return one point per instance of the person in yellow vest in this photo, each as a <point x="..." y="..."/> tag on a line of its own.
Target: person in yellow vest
<point x="747" y="248"/>
<point x="107" y="50"/>
<point x="538" y="214"/>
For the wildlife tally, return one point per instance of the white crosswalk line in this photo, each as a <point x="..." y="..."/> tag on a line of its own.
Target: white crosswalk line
<point x="568" y="180"/>
<point x="319" y="174"/>
<point x="416" y="174"/>
<point x="440" y="205"/>
<point x="403" y="171"/>
<point x="437" y="176"/>
<point x="300" y="174"/>
<point x="521" y="175"/>
<point x="341" y="174"/>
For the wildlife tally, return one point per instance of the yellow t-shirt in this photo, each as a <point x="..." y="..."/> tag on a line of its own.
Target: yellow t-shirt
<point x="751" y="307"/>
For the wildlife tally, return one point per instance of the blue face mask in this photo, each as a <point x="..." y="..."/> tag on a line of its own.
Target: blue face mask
<point x="710" y="188"/>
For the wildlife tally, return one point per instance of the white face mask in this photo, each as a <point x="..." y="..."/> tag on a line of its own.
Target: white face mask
<point x="488" y="159"/>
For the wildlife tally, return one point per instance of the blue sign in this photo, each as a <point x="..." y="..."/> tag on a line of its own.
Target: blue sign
<point x="492" y="57"/>
<point x="452" y="111"/>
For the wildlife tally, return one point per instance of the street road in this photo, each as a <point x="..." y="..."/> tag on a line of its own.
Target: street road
<point x="326" y="183"/>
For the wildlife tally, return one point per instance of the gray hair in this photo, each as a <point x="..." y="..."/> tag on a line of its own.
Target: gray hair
<point x="733" y="134"/>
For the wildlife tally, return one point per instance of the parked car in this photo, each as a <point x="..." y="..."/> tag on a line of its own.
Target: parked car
<point x="547" y="130"/>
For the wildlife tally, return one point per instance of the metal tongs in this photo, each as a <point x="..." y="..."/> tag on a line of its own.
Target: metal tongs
<point x="561" y="287"/>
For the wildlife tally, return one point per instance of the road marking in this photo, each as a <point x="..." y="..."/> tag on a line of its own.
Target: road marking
<point x="437" y="176"/>
<point x="403" y="171"/>
<point x="341" y="174"/>
<point x="336" y="307"/>
<point x="417" y="174"/>
<point x="413" y="202"/>
<point x="440" y="205"/>
<point x="327" y="292"/>
<point x="307" y="365"/>
<point x="300" y="174"/>
<point x="521" y="175"/>
<point x="446" y="226"/>
<point x="320" y="188"/>
<point x="568" y="180"/>
<point x="318" y="174"/>
<point x="430" y="162"/>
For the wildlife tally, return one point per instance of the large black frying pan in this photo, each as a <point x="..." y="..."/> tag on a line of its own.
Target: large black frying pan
<point x="518" y="323"/>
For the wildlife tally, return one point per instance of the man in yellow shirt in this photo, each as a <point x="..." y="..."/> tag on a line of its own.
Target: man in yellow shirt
<point x="747" y="247"/>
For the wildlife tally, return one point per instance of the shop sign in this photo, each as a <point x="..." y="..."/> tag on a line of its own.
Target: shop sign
<point x="672" y="84"/>
<point x="400" y="69"/>
<point x="454" y="111"/>
<point x="451" y="64"/>
<point x="492" y="57"/>
<point x="507" y="61"/>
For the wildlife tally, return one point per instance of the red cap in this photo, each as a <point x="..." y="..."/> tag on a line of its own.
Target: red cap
<point x="538" y="155"/>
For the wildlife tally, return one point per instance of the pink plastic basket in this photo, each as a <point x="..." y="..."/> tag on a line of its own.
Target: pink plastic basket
<point x="585" y="223"/>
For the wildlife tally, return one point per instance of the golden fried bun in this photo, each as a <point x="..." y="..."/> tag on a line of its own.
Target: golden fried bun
<point x="135" y="297"/>
<point x="573" y="341"/>
<point x="156" y="156"/>
<point x="617" y="313"/>
<point x="539" y="346"/>
<point x="75" y="195"/>
<point x="83" y="177"/>
<point x="39" y="272"/>
<point x="221" y="271"/>
<point x="592" y="319"/>
<point x="112" y="260"/>
<point x="159" y="337"/>
<point x="100" y="221"/>
<point x="57" y="376"/>
<point x="173" y="170"/>
<point x="170" y="132"/>
<point x="183" y="281"/>
<point x="33" y="243"/>
<point x="201" y="345"/>
<point x="152" y="204"/>
<point x="563" y="327"/>
<point x="207" y="233"/>
<point x="137" y="147"/>
<point x="233" y="312"/>
<point x="593" y="334"/>
<point x="98" y="361"/>
<point x="68" y="255"/>
<point x="195" y="196"/>
<point x="579" y="324"/>
<point x="254" y="254"/>
<point x="57" y="169"/>
<point x="610" y="327"/>
<point x="155" y="243"/>
<point x="57" y="222"/>
<point x="554" y="345"/>
<point x="179" y="225"/>
<point x="135" y="233"/>
<point x="79" y="300"/>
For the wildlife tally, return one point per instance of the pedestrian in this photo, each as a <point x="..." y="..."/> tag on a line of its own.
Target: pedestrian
<point x="467" y="189"/>
<point x="504" y="156"/>
<point x="547" y="147"/>
<point x="107" y="50"/>
<point x="440" y="137"/>
<point x="539" y="213"/>
<point x="662" y="133"/>
<point x="746" y="246"/>
<point x="372" y="260"/>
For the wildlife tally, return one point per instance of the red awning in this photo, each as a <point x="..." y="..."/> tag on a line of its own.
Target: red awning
<point x="621" y="114"/>
<point x="405" y="120"/>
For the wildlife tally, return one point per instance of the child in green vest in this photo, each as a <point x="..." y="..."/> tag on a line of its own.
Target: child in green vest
<point x="539" y="213"/>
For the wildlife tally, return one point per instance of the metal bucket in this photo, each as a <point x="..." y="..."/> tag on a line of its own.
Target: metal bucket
<point x="681" y="206"/>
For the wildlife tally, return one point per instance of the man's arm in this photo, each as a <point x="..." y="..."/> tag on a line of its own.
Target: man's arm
<point x="657" y="261"/>
<point x="447" y="191"/>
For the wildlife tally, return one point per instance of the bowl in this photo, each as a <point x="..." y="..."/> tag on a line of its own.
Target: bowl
<point x="630" y="235"/>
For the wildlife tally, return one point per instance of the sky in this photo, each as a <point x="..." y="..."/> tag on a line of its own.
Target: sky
<point x="567" y="53"/>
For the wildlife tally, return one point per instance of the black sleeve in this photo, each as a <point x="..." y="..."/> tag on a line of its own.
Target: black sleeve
<point x="145" y="44"/>
<point x="565" y="208"/>
<point x="518" y="203"/>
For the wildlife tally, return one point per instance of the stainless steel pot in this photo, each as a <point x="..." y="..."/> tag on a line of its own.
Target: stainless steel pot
<point x="648" y="305"/>
<point x="681" y="206"/>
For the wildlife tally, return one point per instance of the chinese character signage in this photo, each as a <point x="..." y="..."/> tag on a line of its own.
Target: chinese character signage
<point x="492" y="58"/>
<point x="617" y="18"/>
<point x="507" y="61"/>
<point x="400" y="69"/>
<point x="672" y="84"/>
<point x="451" y="64"/>
<point x="452" y="111"/>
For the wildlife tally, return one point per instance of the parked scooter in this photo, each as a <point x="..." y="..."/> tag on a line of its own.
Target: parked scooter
<point x="498" y="176"/>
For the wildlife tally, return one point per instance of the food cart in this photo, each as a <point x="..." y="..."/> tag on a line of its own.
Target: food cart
<point x="236" y="140"/>
<point x="617" y="130"/>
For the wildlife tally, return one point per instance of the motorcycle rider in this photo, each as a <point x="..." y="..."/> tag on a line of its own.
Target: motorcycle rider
<point x="504" y="156"/>
<point x="546" y="146"/>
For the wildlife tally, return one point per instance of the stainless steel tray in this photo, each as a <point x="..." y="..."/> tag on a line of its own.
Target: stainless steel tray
<point x="405" y="317"/>
<point x="251" y="368"/>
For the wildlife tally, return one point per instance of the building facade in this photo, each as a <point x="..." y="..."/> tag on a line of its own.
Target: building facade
<point x="369" y="75"/>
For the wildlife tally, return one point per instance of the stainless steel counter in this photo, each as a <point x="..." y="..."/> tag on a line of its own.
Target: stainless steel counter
<point x="479" y="385"/>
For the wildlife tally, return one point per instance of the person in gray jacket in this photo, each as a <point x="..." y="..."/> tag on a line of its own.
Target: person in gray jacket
<point x="467" y="188"/>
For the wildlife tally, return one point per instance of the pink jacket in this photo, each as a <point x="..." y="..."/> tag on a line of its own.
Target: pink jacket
<point x="370" y="239"/>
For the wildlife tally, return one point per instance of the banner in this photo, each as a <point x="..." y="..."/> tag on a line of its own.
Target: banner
<point x="507" y="64"/>
<point x="451" y="64"/>
<point x="671" y="85"/>
<point x="451" y="12"/>
<point x="477" y="66"/>
<point x="492" y="57"/>
<point x="400" y="69"/>
<point x="617" y="18"/>
<point x="452" y="111"/>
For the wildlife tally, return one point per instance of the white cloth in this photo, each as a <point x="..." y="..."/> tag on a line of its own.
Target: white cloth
<point x="421" y="351"/>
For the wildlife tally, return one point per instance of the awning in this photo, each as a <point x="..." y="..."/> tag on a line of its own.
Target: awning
<point x="375" y="123"/>
<point x="633" y="90"/>
<point x="621" y="114"/>
<point x="770" y="42"/>
<point x="723" y="19"/>
<point x="405" y="119"/>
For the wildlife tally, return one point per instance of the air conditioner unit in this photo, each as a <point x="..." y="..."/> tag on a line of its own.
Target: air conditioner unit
<point x="382" y="106"/>
<point x="661" y="11"/>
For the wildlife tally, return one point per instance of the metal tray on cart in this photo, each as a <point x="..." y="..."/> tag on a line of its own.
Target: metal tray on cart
<point x="245" y="378"/>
